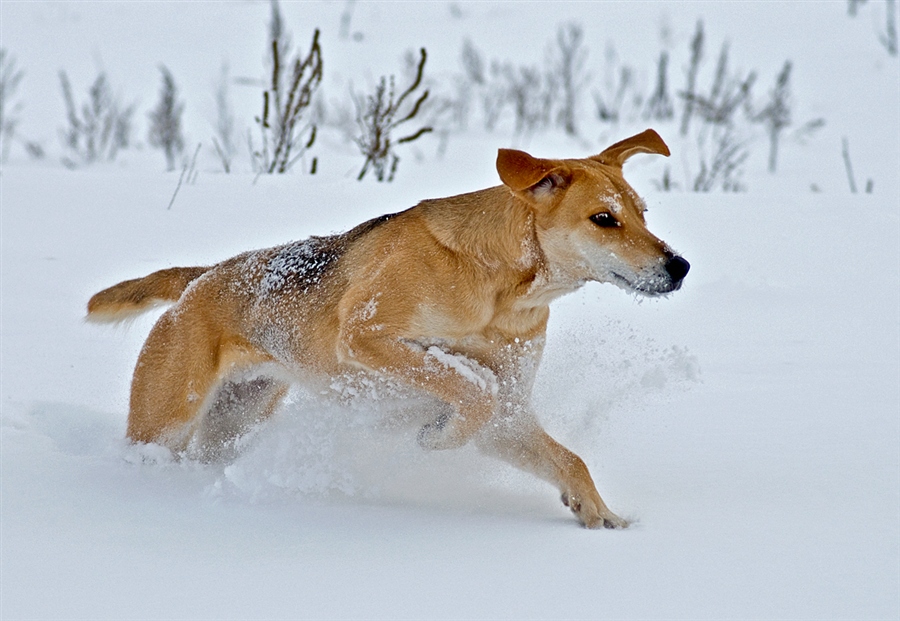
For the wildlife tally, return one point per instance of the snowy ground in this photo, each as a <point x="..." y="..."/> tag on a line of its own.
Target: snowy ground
<point x="749" y="424"/>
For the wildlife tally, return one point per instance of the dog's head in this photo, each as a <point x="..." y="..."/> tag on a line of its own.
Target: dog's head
<point x="590" y="222"/>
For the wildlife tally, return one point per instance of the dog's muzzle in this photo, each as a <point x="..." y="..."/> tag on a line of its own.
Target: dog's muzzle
<point x="652" y="282"/>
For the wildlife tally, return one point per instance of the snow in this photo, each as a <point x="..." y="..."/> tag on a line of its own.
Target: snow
<point x="482" y="378"/>
<point x="749" y="424"/>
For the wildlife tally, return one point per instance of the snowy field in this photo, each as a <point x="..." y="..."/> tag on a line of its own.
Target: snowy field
<point x="749" y="424"/>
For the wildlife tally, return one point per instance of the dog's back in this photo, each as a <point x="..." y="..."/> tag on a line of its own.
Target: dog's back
<point x="294" y="266"/>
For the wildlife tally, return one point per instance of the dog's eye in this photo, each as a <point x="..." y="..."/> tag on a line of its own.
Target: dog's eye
<point x="605" y="220"/>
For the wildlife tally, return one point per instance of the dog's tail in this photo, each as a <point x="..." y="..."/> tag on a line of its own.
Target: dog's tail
<point x="133" y="297"/>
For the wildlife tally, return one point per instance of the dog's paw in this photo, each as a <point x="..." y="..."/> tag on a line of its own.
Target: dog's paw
<point x="592" y="512"/>
<point x="613" y="521"/>
<point x="440" y="435"/>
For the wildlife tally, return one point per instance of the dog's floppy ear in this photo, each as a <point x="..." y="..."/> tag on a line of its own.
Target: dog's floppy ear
<point x="519" y="171"/>
<point x="647" y="141"/>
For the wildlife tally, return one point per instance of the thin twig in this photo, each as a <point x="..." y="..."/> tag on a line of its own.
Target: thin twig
<point x="184" y="171"/>
<point x="848" y="165"/>
<point x="178" y="187"/>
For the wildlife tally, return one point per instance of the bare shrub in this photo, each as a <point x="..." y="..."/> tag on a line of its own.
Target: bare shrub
<point x="776" y="115"/>
<point x="666" y="183"/>
<point x="530" y="96"/>
<point x="659" y="106"/>
<point x="467" y="89"/>
<point x="495" y="97"/>
<point x="378" y="115"/>
<point x="722" y="157"/>
<point x="845" y="153"/>
<point x="726" y="96"/>
<point x="188" y="173"/>
<point x="284" y="135"/>
<point x="473" y="63"/>
<point x="10" y="107"/>
<point x="609" y="109"/>
<point x="457" y="106"/>
<point x="689" y="92"/>
<point x="96" y="130"/>
<point x="619" y="84"/>
<point x="165" y="121"/>
<point x="224" y="129"/>
<point x="346" y="19"/>
<point x="719" y="116"/>
<point x="889" y="37"/>
<point x="567" y="67"/>
<point x="853" y="7"/>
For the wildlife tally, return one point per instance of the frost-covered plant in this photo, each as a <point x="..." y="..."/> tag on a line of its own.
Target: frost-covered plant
<point x="284" y="133"/>
<point x="666" y="183"/>
<point x="224" y="134"/>
<point x="618" y="88"/>
<point x="853" y="7"/>
<point x="378" y="115"/>
<point x="567" y="63"/>
<point x="659" y="106"/>
<point x="690" y="89"/>
<point x="473" y="63"/>
<point x="722" y="157"/>
<point x="466" y="85"/>
<point x="531" y="95"/>
<point x="776" y="115"/>
<point x="722" y="149"/>
<point x="165" y="121"/>
<point x="888" y="38"/>
<point x="494" y="97"/>
<point x="727" y="95"/>
<point x="10" y="76"/>
<point x="848" y="165"/>
<point x="96" y="130"/>
<point x="609" y="108"/>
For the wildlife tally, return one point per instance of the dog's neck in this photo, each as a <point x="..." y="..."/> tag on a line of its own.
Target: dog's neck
<point x="489" y="228"/>
<point x="495" y="232"/>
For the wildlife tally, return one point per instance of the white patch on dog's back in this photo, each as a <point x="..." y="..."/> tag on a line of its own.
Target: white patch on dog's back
<point x="299" y="263"/>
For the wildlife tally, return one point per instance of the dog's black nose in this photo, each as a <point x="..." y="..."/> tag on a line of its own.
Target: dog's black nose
<point x="677" y="268"/>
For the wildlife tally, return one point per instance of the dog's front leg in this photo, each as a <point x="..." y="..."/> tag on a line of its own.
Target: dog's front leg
<point x="516" y="436"/>
<point x="521" y="441"/>
<point x="458" y="381"/>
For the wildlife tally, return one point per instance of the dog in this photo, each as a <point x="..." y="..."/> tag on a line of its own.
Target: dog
<point x="449" y="298"/>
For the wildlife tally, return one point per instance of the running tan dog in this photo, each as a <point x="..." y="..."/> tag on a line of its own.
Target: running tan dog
<point x="449" y="297"/>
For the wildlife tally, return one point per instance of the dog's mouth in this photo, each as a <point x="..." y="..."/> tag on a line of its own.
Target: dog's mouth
<point x="656" y="282"/>
<point x="650" y="287"/>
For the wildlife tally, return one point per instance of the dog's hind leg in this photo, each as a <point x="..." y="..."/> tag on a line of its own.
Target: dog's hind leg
<point x="180" y="373"/>
<point x="171" y="379"/>
<point x="240" y="403"/>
